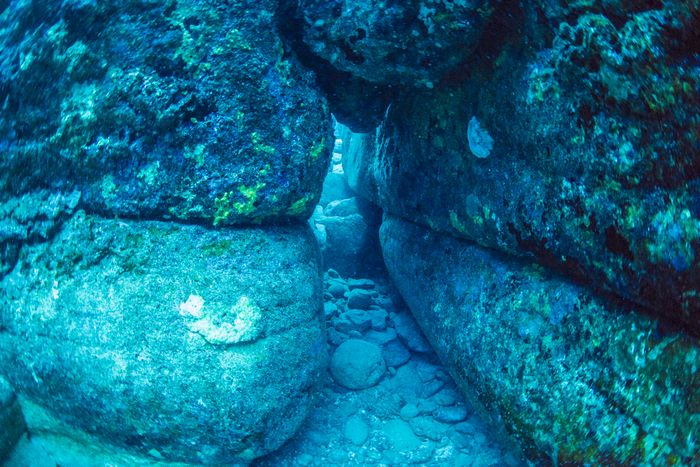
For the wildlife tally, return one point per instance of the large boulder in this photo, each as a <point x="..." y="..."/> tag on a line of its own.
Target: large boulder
<point x="188" y="110"/>
<point x="575" y="378"/>
<point x="575" y="142"/>
<point x="182" y="342"/>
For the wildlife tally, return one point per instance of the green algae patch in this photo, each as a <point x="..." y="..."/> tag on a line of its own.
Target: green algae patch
<point x="300" y="206"/>
<point x="318" y="149"/>
<point x="240" y="203"/>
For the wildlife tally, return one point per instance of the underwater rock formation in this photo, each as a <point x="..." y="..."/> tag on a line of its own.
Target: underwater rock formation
<point x="201" y="345"/>
<point x="594" y="167"/>
<point x="184" y="110"/>
<point x="136" y="139"/>
<point x="11" y="419"/>
<point x="398" y="42"/>
<point x="574" y="378"/>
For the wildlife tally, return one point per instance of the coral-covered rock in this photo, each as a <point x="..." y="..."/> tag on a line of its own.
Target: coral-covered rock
<point x="190" y="110"/>
<point x="201" y="345"/>
<point x="595" y="164"/>
<point x="574" y="378"/>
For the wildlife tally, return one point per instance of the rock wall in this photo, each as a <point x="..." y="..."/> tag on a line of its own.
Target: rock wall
<point x="573" y="377"/>
<point x="137" y="138"/>
<point x="593" y="167"/>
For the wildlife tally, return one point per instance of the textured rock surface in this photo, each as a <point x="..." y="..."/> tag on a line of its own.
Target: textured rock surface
<point x="594" y="167"/>
<point x="177" y="109"/>
<point x="573" y="378"/>
<point x="202" y="345"/>
<point x="11" y="419"/>
<point x="412" y="42"/>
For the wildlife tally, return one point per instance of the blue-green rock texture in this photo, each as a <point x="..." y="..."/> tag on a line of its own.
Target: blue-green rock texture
<point x="11" y="419"/>
<point x="203" y="345"/>
<point x="595" y="163"/>
<point x="575" y="379"/>
<point x="395" y="42"/>
<point x="184" y="110"/>
<point x="139" y="141"/>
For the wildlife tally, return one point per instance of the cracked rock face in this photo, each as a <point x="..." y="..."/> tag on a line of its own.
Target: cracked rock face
<point x="165" y="338"/>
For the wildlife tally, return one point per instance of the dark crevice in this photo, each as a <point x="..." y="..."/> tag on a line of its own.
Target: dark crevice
<point x="357" y="103"/>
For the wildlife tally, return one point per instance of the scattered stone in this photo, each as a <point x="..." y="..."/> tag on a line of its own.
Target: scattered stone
<point x="335" y="337"/>
<point x="330" y="309"/>
<point x="342" y="207"/>
<point x="357" y="364"/>
<point x="360" y="299"/>
<point x="446" y="397"/>
<point x="360" y="319"/>
<point x="333" y="274"/>
<point x="352" y="320"/>
<point x="381" y="337"/>
<point x="378" y="318"/>
<point x="395" y="353"/>
<point x="400" y="435"/>
<point x="409" y="332"/>
<point x="451" y="414"/>
<point x="465" y="427"/>
<point x="366" y="284"/>
<point x="427" y="405"/>
<point x="432" y="387"/>
<point x="356" y="430"/>
<point x="428" y="427"/>
<point x="409" y="411"/>
<point x="337" y="288"/>
<point x="342" y="325"/>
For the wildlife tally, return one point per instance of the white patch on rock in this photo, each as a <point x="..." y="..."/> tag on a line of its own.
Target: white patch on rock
<point x="480" y="142"/>
<point x="192" y="307"/>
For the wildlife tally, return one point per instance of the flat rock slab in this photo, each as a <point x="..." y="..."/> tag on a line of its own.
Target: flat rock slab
<point x="164" y="338"/>
<point x="564" y="370"/>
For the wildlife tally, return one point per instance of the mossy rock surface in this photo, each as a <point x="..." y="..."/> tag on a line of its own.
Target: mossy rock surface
<point x="203" y="345"/>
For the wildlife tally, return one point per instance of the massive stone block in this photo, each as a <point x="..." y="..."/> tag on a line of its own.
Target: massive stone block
<point x="595" y="158"/>
<point x="575" y="378"/>
<point x="187" y="110"/>
<point x="184" y="342"/>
